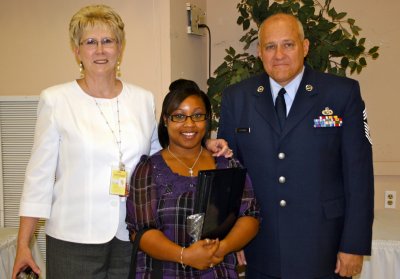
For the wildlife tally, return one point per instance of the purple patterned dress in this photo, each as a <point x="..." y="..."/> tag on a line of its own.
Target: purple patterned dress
<point x="162" y="199"/>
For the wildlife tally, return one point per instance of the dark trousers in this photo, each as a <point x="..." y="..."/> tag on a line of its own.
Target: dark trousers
<point x="68" y="260"/>
<point x="254" y="274"/>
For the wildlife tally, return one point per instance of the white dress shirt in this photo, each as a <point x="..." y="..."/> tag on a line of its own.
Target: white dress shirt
<point x="68" y="176"/>
<point x="291" y="90"/>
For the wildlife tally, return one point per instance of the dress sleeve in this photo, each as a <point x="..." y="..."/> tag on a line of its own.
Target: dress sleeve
<point x="37" y="194"/>
<point x="141" y="205"/>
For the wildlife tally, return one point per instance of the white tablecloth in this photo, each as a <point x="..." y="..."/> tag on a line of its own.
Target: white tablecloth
<point x="384" y="262"/>
<point x="8" y="249"/>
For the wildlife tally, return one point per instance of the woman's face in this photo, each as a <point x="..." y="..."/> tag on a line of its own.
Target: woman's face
<point x="98" y="51"/>
<point x="187" y="134"/>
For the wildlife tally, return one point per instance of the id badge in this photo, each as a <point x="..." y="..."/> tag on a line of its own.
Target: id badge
<point x="118" y="183"/>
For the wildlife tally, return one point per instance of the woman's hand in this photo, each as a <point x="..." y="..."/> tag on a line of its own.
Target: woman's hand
<point x="219" y="147"/>
<point x="24" y="259"/>
<point x="202" y="254"/>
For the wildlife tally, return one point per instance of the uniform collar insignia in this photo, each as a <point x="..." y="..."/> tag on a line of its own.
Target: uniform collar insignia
<point x="260" y="89"/>
<point x="327" y="111"/>
<point x="309" y="87"/>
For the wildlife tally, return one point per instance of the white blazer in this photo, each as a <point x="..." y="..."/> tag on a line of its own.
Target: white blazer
<point x="68" y="175"/>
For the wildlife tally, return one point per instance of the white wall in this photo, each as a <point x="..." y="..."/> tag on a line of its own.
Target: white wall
<point x="188" y="52"/>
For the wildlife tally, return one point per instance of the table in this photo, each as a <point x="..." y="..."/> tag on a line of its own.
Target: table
<point x="384" y="262"/>
<point x="8" y="249"/>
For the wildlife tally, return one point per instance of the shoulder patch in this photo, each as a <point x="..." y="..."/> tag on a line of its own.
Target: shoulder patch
<point x="366" y="126"/>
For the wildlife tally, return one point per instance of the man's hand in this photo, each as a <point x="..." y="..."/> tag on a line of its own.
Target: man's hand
<point x="241" y="258"/>
<point x="348" y="265"/>
<point x="219" y="147"/>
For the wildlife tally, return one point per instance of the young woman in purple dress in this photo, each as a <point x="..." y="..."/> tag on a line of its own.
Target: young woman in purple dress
<point x="162" y="195"/>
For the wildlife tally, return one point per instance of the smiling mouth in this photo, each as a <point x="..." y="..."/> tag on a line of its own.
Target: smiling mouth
<point x="189" y="134"/>
<point x="280" y="65"/>
<point x="103" y="61"/>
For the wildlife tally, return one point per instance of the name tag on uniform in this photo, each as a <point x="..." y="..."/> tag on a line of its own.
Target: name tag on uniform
<point x="245" y="130"/>
<point x="118" y="183"/>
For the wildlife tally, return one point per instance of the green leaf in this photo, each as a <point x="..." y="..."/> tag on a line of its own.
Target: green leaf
<point x="231" y="51"/>
<point x="344" y="62"/>
<point x="359" y="69"/>
<point x="332" y="13"/>
<point x="362" y="61"/>
<point x="336" y="35"/>
<point x="333" y="71"/>
<point x="351" y="21"/>
<point x="339" y="16"/>
<point x="355" y="29"/>
<point x="246" y="24"/>
<point x="308" y="2"/>
<point x="342" y="72"/>
<point x="373" y="50"/>
<point x="244" y="13"/>
<point x="228" y="58"/>
<point x="346" y="33"/>
<point x="353" y="66"/>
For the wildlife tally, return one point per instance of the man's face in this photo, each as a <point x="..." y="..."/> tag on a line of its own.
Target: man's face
<point x="281" y="49"/>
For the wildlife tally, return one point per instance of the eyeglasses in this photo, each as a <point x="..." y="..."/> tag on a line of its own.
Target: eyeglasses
<point x="93" y="43"/>
<point x="182" y="118"/>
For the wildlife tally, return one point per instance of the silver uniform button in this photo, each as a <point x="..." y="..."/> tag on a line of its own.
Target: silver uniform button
<point x="281" y="155"/>
<point x="282" y="203"/>
<point x="282" y="179"/>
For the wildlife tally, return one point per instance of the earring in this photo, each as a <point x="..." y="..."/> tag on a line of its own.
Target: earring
<point x="81" y="70"/>
<point x="118" y="69"/>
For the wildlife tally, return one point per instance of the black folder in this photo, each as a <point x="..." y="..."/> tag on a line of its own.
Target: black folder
<point x="219" y="195"/>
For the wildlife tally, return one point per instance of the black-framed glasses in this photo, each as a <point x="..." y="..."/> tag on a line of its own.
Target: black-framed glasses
<point x="197" y="117"/>
<point x="93" y="43"/>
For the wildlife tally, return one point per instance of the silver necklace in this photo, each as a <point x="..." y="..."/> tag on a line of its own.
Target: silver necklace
<point x="180" y="161"/>
<point x="118" y="141"/>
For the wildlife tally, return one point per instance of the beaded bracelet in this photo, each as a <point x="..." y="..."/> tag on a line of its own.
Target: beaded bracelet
<point x="183" y="265"/>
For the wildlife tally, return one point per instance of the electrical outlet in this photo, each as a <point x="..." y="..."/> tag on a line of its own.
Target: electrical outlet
<point x="195" y="17"/>
<point x="390" y="199"/>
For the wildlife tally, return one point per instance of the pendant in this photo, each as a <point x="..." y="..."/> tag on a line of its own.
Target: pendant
<point x="191" y="172"/>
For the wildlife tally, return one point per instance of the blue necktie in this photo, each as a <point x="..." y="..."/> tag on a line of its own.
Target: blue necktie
<point x="280" y="107"/>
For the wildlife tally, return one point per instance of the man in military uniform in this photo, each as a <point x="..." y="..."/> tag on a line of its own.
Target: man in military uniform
<point x="304" y="139"/>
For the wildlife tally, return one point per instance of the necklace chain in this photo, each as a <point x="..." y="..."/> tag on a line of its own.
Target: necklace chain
<point x="118" y="141"/>
<point x="180" y="161"/>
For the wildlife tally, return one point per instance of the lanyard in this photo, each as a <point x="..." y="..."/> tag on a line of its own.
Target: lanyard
<point x="118" y="141"/>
